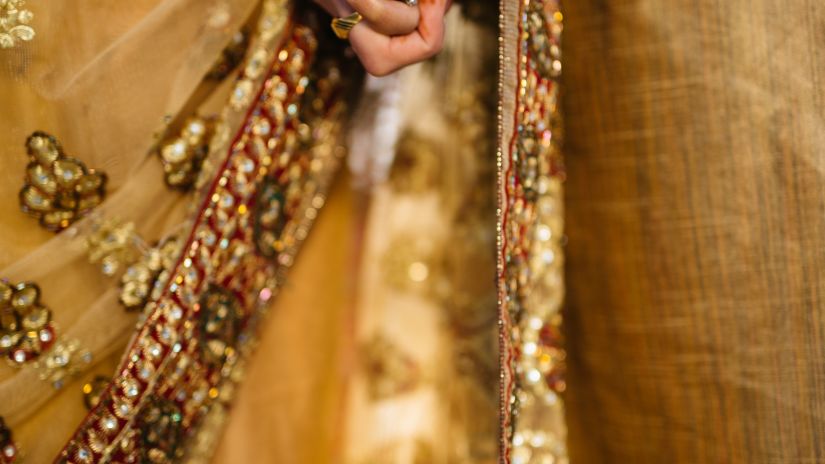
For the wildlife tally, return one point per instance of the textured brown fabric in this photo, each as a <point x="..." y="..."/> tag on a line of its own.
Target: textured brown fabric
<point x="696" y="220"/>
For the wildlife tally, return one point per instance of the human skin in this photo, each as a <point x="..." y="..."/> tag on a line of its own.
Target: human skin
<point x="393" y="35"/>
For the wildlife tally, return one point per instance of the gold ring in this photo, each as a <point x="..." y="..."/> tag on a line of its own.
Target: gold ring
<point x="342" y="26"/>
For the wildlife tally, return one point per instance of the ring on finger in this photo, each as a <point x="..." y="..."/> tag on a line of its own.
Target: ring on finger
<point x="343" y="26"/>
<point x="410" y="2"/>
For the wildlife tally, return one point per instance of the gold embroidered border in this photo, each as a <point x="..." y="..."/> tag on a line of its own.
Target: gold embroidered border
<point x="180" y="369"/>
<point x="530" y="234"/>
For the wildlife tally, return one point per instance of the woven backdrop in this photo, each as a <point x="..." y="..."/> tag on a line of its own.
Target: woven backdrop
<point x="696" y="222"/>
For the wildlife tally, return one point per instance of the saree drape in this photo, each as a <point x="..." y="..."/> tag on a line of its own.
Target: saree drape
<point x="309" y="385"/>
<point x="693" y="236"/>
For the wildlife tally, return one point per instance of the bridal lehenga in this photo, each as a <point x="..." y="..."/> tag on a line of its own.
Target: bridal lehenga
<point x="173" y="157"/>
<point x="222" y="242"/>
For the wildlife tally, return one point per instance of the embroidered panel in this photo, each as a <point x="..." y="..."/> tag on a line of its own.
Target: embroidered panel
<point x="58" y="189"/>
<point x="15" y="23"/>
<point x="531" y="240"/>
<point x="181" y="365"/>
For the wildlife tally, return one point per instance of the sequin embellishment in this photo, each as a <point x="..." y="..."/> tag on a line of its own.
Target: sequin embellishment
<point x="144" y="278"/>
<point x="26" y="328"/>
<point x="199" y="321"/>
<point x="15" y="23"/>
<point x="183" y="155"/>
<point x="28" y="336"/>
<point x="113" y="244"/>
<point x="532" y="264"/>
<point x="59" y="190"/>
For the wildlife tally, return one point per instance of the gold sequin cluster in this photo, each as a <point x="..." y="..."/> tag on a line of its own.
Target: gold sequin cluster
<point x="63" y="362"/>
<point x="28" y="335"/>
<point x="116" y="247"/>
<point x="112" y="244"/>
<point x="58" y="189"/>
<point x="532" y="238"/>
<point x="15" y="23"/>
<point x="183" y="155"/>
<point x="26" y="328"/>
<point x="144" y="279"/>
<point x="181" y="367"/>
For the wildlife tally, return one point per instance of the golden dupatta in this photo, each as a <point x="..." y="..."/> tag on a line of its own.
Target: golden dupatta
<point x="82" y="79"/>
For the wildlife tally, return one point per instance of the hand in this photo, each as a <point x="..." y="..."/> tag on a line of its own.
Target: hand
<point x="392" y="34"/>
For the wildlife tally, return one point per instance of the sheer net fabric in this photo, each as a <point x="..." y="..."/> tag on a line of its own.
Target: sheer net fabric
<point x="101" y="77"/>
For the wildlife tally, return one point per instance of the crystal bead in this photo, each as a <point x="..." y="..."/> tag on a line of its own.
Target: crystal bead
<point x="175" y="152"/>
<point x="43" y="148"/>
<point x="241" y="94"/>
<point x="67" y="171"/>
<point x="130" y="387"/>
<point x="108" y="423"/>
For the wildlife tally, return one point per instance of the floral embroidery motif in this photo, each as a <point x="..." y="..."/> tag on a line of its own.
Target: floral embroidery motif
<point x="116" y="245"/>
<point x="27" y="334"/>
<point x="143" y="279"/>
<point x="62" y="362"/>
<point x="113" y="244"/>
<point x="183" y="155"/>
<point x="58" y="190"/>
<point x="199" y="323"/>
<point x="14" y="23"/>
<point x="26" y="328"/>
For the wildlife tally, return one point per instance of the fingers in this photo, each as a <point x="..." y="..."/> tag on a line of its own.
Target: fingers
<point x="382" y="55"/>
<point x="389" y="17"/>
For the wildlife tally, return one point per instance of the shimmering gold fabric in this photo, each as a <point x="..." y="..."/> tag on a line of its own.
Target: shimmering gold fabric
<point x="695" y="217"/>
<point x="404" y="373"/>
<point x="289" y="408"/>
<point x="696" y="224"/>
<point x="93" y="83"/>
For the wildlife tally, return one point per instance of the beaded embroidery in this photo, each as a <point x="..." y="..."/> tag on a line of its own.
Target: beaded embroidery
<point x="14" y="23"/>
<point x="183" y="155"/>
<point x="59" y="190"/>
<point x="531" y="248"/>
<point x="28" y="336"/>
<point x="26" y="328"/>
<point x="178" y="371"/>
<point x="113" y="244"/>
<point x="144" y="279"/>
